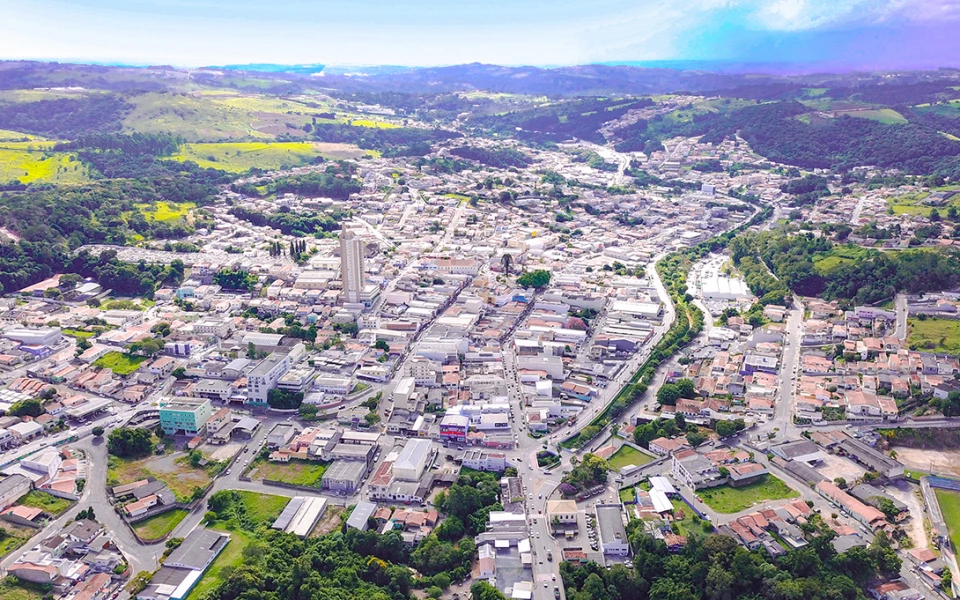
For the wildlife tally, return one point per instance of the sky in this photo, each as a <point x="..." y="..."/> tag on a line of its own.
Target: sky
<point x="841" y="34"/>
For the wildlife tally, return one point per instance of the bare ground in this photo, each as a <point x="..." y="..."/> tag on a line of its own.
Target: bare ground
<point x="908" y="494"/>
<point x="838" y="466"/>
<point x="941" y="462"/>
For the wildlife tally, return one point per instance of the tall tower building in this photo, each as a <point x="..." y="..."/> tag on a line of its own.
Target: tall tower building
<point x="351" y="265"/>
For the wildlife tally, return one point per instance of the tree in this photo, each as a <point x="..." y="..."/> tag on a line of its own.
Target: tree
<point x="308" y="411"/>
<point x="506" y="261"/>
<point x="127" y="442"/>
<point x="538" y="279"/>
<point x="98" y="431"/>
<point x="179" y="373"/>
<point x="30" y="407"/>
<point x="484" y="591"/>
<point x="382" y="345"/>
<point x="696" y="438"/>
<point x="283" y="399"/>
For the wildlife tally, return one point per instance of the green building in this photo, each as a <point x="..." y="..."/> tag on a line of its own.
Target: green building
<point x="184" y="415"/>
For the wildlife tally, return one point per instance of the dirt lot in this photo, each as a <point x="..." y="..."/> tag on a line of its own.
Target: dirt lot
<point x="909" y="495"/>
<point x="838" y="466"/>
<point x="221" y="453"/>
<point x="329" y="523"/>
<point x="941" y="462"/>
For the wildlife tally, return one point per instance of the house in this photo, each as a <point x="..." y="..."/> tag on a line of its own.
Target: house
<point x="562" y="511"/>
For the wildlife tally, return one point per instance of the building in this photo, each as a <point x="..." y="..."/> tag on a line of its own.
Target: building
<point x="613" y="536"/>
<point x="799" y="450"/>
<point x="562" y="511"/>
<point x="41" y="336"/>
<point x="184" y="415"/>
<point x="301" y="515"/>
<point x="185" y="566"/>
<point x="351" y="265"/>
<point x="413" y="460"/>
<point x="11" y="488"/>
<point x="344" y="476"/>
<point x="361" y="514"/>
<point x="479" y="460"/>
<point x="695" y="470"/>
<point x="197" y="550"/>
<point x="264" y="377"/>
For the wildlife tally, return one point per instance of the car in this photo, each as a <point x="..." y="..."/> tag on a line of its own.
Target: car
<point x="247" y="449"/>
<point x="550" y="555"/>
<point x="556" y="592"/>
<point x="228" y="471"/>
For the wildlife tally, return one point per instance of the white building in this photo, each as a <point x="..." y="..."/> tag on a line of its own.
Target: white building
<point x="413" y="460"/>
<point x="264" y="376"/>
<point x="351" y="265"/>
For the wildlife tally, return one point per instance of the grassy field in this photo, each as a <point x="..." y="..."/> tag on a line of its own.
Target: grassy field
<point x="260" y="511"/>
<point x="887" y="116"/>
<point x="157" y="526"/>
<point x="15" y="537"/>
<point x="263" y="509"/>
<point x="238" y="157"/>
<point x="949" y="502"/>
<point x="172" y="469"/>
<point x="628" y="456"/>
<point x="193" y="118"/>
<point x="26" y="162"/>
<point x="12" y="588"/>
<point x="628" y="494"/>
<point x="231" y="557"/>
<point x="166" y="211"/>
<point x="7" y="135"/>
<point x="295" y="472"/>
<point x="837" y="256"/>
<point x="46" y="502"/>
<point x="119" y="362"/>
<point x="728" y="499"/>
<point x="909" y="204"/>
<point x="78" y="333"/>
<point x="934" y="335"/>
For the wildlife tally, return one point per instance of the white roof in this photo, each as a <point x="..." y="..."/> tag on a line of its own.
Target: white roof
<point x="662" y="484"/>
<point x="660" y="501"/>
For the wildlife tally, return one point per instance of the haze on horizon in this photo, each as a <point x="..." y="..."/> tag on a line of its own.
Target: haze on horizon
<point x="838" y="34"/>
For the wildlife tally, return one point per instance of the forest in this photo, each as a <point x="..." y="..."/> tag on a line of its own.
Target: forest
<point x="291" y="223"/>
<point x="337" y="181"/>
<point x="66" y="118"/>
<point x="399" y="141"/>
<point x="773" y="131"/>
<point x="874" y="278"/>
<point x="579" y="118"/>
<point x="716" y="567"/>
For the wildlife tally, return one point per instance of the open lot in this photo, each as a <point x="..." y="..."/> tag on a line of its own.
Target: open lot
<point x="838" y="466"/>
<point x="626" y="456"/>
<point x="909" y="494"/>
<point x="45" y="502"/>
<point x="173" y="469"/>
<point x="159" y="525"/>
<point x="938" y="462"/>
<point x="729" y="499"/>
<point x="119" y="362"/>
<point x="14" y="589"/>
<point x="888" y="116"/>
<point x="295" y="472"/>
<point x="16" y="537"/>
<point x="934" y="335"/>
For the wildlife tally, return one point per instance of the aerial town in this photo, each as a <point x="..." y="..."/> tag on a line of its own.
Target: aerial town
<point x="501" y="381"/>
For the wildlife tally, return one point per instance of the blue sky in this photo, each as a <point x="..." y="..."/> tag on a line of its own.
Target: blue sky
<point x="844" y="33"/>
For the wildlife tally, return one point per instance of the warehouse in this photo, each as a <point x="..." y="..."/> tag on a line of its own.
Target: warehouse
<point x="344" y="475"/>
